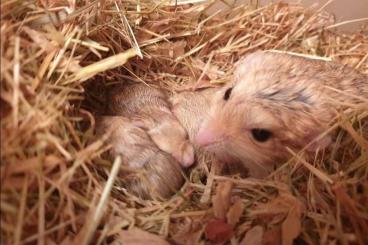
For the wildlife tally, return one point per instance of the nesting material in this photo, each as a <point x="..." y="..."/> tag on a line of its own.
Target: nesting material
<point x="56" y="185"/>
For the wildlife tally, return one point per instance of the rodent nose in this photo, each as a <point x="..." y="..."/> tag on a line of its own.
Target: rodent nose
<point x="186" y="155"/>
<point x="206" y="137"/>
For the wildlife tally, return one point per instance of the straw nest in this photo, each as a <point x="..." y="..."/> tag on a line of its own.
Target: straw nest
<point x="56" y="188"/>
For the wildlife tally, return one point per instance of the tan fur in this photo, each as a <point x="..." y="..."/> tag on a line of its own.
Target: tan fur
<point x="148" y="108"/>
<point x="287" y="95"/>
<point x="191" y="108"/>
<point x="154" y="172"/>
<point x="284" y="94"/>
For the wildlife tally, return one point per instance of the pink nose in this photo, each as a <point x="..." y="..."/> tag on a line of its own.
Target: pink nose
<point x="206" y="137"/>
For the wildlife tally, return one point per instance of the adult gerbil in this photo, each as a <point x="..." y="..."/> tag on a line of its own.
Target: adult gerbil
<point x="153" y="172"/>
<point x="149" y="109"/>
<point x="276" y="101"/>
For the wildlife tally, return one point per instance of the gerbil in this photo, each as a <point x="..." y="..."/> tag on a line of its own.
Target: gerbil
<point x="276" y="101"/>
<point x="131" y="135"/>
<point x="155" y="173"/>
<point x="149" y="109"/>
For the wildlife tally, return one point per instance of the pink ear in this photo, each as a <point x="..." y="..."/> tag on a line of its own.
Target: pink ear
<point x="320" y="144"/>
<point x="250" y="58"/>
<point x="249" y="62"/>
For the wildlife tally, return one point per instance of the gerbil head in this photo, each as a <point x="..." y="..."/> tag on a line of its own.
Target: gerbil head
<point x="260" y="113"/>
<point x="171" y="137"/>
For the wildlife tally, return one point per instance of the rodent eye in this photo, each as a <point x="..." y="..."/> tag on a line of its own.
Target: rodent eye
<point x="227" y="93"/>
<point x="261" y="135"/>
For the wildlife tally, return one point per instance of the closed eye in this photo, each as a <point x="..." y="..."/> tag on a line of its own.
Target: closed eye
<point x="227" y="93"/>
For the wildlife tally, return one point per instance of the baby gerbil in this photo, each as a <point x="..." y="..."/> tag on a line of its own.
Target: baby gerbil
<point x="149" y="109"/>
<point x="276" y="101"/>
<point x="135" y="112"/>
<point x="155" y="173"/>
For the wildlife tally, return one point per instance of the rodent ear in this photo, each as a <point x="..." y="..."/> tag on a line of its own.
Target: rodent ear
<point x="251" y="57"/>
<point x="248" y="63"/>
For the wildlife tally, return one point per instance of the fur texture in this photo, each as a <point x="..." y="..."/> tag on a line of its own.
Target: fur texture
<point x="149" y="109"/>
<point x="274" y="101"/>
<point x="154" y="173"/>
<point x="290" y="97"/>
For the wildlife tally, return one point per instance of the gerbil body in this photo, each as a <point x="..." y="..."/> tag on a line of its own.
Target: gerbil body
<point x="154" y="173"/>
<point x="149" y="136"/>
<point x="149" y="109"/>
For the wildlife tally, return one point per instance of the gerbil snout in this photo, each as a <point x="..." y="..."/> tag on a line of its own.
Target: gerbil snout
<point x="214" y="137"/>
<point x="185" y="154"/>
<point x="207" y="136"/>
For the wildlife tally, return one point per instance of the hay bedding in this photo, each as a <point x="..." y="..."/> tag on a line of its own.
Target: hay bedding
<point x="55" y="183"/>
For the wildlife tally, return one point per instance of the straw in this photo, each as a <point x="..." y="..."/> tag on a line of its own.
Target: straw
<point x="59" y="57"/>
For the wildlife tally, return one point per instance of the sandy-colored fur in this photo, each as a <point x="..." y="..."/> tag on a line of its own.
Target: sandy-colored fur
<point x="191" y="108"/>
<point x="149" y="109"/>
<point x="154" y="173"/>
<point x="287" y="95"/>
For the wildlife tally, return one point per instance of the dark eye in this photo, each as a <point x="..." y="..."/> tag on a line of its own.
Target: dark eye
<point x="227" y="93"/>
<point x="261" y="135"/>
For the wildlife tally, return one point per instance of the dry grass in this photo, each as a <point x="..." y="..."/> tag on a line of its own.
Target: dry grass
<point x="52" y="186"/>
